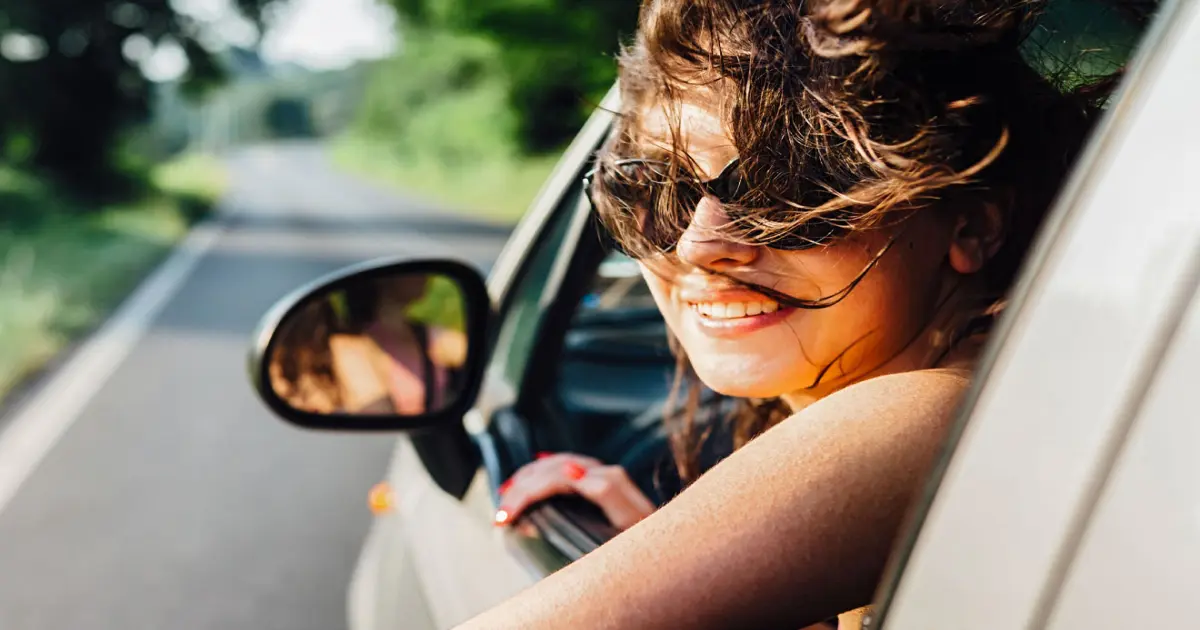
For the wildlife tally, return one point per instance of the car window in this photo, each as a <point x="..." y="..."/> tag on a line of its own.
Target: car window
<point x="617" y="286"/>
<point x="612" y="373"/>
<point x="615" y="362"/>
<point x="518" y="332"/>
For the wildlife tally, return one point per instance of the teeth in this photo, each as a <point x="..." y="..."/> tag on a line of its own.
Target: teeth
<point x="735" y="310"/>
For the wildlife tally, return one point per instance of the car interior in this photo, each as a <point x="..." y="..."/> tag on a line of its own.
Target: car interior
<point x="606" y="382"/>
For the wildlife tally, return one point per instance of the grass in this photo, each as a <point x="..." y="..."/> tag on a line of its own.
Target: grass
<point x="497" y="189"/>
<point x="64" y="267"/>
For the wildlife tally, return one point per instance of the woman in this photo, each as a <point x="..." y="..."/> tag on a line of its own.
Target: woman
<point x="829" y="201"/>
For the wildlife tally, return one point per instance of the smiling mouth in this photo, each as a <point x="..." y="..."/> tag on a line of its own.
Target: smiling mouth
<point x="734" y="310"/>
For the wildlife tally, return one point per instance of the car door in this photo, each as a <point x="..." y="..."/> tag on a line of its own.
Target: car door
<point x="436" y="560"/>
<point x="1069" y="496"/>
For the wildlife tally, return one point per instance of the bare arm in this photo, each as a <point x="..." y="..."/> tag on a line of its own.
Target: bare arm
<point x="356" y="365"/>
<point x="794" y="528"/>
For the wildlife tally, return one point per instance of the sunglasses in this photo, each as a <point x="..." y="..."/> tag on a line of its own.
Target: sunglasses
<point x="640" y="185"/>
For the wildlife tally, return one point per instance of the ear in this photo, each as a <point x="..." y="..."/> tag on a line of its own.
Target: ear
<point x="978" y="235"/>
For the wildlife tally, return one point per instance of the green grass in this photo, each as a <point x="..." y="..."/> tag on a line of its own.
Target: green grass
<point x="497" y="189"/>
<point x="64" y="267"/>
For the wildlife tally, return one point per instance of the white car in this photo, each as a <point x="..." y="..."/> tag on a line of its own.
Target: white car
<point x="1068" y="497"/>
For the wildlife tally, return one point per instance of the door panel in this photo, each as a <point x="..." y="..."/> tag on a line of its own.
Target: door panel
<point x="1053" y="393"/>
<point x="1140" y="554"/>
<point x="464" y="563"/>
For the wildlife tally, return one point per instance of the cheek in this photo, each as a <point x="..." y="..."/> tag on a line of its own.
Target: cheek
<point x="662" y="291"/>
<point x="882" y="312"/>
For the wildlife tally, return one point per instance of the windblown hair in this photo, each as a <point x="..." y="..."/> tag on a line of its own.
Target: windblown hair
<point x="853" y="112"/>
<point x="301" y="366"/>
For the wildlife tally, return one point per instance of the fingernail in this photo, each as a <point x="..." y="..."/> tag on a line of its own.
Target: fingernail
<point x="544" y="455"/>
<point x="502" y="517"/>
<point x="505" y="486"/>
<point x="575" y="471"/>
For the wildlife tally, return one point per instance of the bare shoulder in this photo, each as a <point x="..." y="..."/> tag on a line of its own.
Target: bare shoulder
<point x="918" y="394"/>
<point x="880" y="415"/>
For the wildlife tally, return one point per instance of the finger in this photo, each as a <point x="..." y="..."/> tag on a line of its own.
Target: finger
<point x="583" y="460"/>
<point x="533" y="486"/>
<point x="547" y="461"/>
<point x="610" y="488"/>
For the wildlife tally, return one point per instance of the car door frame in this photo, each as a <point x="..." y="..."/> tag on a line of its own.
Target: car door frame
<point x="554" y="537"/>
<point x="503" y="437"/>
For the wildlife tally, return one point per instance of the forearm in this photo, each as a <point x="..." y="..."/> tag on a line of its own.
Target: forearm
<point x="793" y="529"/>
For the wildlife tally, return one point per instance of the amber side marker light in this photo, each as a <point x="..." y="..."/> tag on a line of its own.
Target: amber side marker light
<point x="381" y="499"/>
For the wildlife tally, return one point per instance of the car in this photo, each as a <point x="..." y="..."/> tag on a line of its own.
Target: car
<point x="1066" y="496"/>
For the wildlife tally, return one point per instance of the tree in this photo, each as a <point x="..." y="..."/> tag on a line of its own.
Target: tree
<point x="557" y="54"/>
<point x="63" y="111"/>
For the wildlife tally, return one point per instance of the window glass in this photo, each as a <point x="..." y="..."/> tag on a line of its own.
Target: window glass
<point x="617" y="286"/>
<point x="614" y="375"/>
<point x="519" y="330"/>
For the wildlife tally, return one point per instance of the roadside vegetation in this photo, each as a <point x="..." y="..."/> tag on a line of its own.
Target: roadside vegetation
<point x="475" y="109"/>
<point x="66" y="263"/>
<point x="99" y="175"/>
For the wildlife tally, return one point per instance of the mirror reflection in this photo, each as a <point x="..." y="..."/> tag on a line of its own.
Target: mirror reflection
<point x="380" y="345"/>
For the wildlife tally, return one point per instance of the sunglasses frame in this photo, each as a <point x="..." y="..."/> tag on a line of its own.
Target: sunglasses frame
<point x="718" y="187"/>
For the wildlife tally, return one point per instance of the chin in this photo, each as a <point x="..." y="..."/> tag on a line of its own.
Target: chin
<point x="745" y="376"/>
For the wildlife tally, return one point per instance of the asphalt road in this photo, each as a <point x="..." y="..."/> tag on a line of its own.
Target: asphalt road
<point x="175" y="501"/>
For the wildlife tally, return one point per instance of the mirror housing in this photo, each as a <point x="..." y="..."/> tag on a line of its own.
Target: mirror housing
<point x="472" y="324"/>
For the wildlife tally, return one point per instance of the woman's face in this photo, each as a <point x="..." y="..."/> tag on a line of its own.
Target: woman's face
<point x="744" y="344"/>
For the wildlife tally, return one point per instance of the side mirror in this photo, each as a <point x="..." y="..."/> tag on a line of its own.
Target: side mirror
<point x="383" y="346"/>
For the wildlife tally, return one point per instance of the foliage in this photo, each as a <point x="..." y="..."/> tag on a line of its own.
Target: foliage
<point x="445" y="97"/>
<point x="442" y="305"/>
<point x="482" y="95"/>
<point x="496" y="188"/>
<point x="63" y="112"/>
<point x="555" y="56"/>
<point x="62" y="269"/>
<point x="196" y="180"/>
<point x="437" y="121"/>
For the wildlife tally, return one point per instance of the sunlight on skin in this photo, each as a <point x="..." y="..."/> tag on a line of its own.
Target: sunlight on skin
<point x="877" y="321"/>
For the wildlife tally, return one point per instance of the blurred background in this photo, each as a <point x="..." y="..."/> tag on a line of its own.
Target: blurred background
<point x="117" y="119"/>
<point x="141" y="483"/>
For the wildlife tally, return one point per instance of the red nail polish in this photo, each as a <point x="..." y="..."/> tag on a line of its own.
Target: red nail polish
<point x="502" y="518"/>
<point x="505" y="486"/>
<point x="575" y="471"/>
<point x="544" y="455"/>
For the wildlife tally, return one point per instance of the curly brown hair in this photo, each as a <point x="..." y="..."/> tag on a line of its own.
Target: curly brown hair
<point x="849" y="112"/>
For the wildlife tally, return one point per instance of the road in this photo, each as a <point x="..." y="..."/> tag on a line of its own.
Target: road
<point x="174" y="500"/>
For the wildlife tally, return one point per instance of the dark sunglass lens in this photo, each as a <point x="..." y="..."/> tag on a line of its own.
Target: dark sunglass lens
<point x="730" y="187"/>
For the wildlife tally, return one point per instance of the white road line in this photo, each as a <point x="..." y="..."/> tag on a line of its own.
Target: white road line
<point x="38" y="425"/>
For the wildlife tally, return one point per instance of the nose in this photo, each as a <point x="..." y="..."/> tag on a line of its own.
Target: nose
<point x="704" y="245"/>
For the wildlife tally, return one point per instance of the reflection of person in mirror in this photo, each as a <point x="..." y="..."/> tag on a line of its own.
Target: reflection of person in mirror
<point x="388" y="363"/>
<point x="301" y="368"/>
<point x="368" y="356"/>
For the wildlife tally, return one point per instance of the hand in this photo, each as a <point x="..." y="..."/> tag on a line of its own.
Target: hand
<point x="609" y="487"/>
